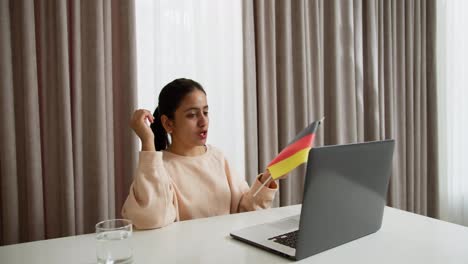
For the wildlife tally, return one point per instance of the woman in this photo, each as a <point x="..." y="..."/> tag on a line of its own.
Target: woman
<point x="185" y="178"/>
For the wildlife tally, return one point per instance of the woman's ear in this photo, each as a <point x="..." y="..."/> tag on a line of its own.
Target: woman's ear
<point x="167" y="123"/>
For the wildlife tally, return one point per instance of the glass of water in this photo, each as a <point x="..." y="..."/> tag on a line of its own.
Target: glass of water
<point x="114" y="243"/>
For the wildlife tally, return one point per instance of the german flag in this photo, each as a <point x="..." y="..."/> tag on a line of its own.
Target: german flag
<point x="295" y="153"/>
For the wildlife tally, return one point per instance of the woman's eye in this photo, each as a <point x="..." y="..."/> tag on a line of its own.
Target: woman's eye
<point x="192" y="115"/>
<point x="205" y="113"/>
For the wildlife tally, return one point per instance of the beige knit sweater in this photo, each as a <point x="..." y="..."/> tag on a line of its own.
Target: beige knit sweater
<point x="168" y="187"/>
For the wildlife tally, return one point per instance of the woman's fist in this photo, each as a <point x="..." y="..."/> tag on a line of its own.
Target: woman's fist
<point x="140" y="125"/>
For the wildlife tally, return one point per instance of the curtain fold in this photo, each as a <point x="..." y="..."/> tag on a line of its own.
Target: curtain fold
<point x="367" y="66"/>
<point x="68" y="78"/>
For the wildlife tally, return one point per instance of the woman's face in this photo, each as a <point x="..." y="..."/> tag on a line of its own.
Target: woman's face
<point x="190" y="124"/>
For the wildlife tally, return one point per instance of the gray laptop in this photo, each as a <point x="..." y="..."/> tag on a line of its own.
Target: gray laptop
<point x="344" y="198"/>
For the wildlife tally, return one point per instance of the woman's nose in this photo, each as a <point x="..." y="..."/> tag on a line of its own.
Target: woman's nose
<point x="202" y="120"/>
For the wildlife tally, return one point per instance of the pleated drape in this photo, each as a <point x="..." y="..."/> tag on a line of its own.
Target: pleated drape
<point x="68" y="88"/>
<point x="367" y="66"/>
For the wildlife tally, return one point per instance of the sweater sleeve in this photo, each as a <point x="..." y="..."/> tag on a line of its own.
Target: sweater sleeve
<point x="151" y="202"/>
<point x="242" y="199"/>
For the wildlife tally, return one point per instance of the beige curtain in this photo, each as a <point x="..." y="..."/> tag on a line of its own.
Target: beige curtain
<point x="368" y="66"/>
<point x="68" y="88"/>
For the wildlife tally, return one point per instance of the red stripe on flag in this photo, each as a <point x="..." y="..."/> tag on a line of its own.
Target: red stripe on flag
<point x="305" y="142"/>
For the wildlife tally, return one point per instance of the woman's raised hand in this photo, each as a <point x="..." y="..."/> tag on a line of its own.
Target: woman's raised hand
<point x="142" y="128"/>
<point x="266" y="177"/>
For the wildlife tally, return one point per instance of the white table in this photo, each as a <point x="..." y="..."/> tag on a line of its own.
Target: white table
<point x="403" y="238"/>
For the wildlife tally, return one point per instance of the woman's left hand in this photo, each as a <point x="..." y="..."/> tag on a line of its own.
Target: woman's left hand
<point x="265" y="176"/>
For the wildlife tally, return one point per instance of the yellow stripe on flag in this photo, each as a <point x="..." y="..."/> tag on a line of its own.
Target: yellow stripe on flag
<point x="282" y="167"/>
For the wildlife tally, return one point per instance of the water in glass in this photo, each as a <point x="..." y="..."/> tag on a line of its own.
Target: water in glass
<point x="114" y="247"/>
<point x="114" y="243"/>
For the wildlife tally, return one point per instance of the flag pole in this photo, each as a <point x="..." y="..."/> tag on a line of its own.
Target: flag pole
<point x="263" y="185"/>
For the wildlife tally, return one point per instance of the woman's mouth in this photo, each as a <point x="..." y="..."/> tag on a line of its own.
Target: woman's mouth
<point x="203" y="134"/>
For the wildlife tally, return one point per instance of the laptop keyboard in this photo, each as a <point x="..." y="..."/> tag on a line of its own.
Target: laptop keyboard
<point x="288" y="239"/>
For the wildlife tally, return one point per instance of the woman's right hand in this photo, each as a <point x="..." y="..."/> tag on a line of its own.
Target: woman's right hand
<point x="141" y="128"/>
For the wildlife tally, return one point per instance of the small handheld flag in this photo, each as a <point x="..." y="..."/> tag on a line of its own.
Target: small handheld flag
<point x="294" y="154"/>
